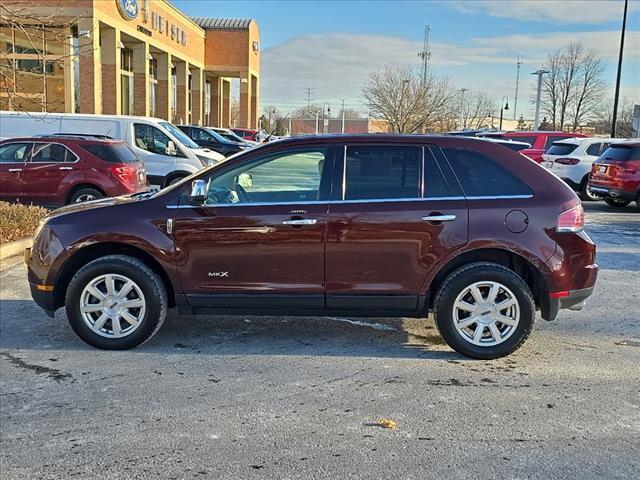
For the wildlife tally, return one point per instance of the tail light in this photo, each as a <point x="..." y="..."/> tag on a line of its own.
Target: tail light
<point x="126" y="175"/>
<point x="571" y="221"/>
<point x="627" y="170"/>
<point x="568" y="161"/>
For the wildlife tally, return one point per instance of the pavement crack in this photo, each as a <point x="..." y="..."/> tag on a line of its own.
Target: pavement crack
<point x="53" y="373"/>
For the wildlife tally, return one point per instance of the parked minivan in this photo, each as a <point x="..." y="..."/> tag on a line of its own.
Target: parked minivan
<point x="354" y="225"/>
<point x="169" y="155"/>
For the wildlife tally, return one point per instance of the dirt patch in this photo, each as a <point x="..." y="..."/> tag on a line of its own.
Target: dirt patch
<point x="52" y="373"/>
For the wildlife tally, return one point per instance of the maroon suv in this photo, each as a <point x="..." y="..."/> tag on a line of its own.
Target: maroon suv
<point x="62" y="169"/>
<point x="369" y="225"/>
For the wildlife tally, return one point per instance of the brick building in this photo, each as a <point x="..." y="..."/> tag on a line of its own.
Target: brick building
<point x="129" y="57"/>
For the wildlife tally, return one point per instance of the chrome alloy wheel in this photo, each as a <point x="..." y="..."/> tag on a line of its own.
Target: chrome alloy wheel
<point x="87" y="197"/>
<point x="112" y="305"/>
<point x="486" y="313"/>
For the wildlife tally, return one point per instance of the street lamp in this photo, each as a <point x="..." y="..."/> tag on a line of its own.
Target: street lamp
<point x="539" y="73"/>
<point x="504" y="105"/>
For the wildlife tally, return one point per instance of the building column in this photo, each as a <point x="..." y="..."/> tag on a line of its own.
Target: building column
<point x="226" y="103"/>
<point x="90" y="66"/>
<point x="197" y="93"/>
<point x="141" y="79"/>
<point x="245" y="102"/>
<point x="254" y="102"/>
<point x="215" y="118"/>
<point x="111" y="86"/>
<point x="163" y="107"/>
<point x="182" y="93"/>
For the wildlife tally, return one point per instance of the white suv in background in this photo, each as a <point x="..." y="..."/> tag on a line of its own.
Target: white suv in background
<point x="571" y="160"/>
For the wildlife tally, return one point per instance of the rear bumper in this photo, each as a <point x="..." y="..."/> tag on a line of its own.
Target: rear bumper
<point x="574" y="300"/>
<point x="607" y="192"/>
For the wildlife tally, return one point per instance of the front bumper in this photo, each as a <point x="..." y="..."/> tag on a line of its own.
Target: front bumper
<point x="44" y="299"/>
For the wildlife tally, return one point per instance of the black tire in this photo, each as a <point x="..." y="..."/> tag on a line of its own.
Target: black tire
<point x="464" y="277"/>
<point x="85" y="194"/>
<point x="617" y="202"/>
<point x="585" y="194"/>
<point x="150" y="284"/>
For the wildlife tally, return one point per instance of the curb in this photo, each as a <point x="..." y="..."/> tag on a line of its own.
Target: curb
<point x="12" y="249"/>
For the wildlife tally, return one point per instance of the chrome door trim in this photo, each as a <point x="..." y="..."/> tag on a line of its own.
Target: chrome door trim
<point x="438" y="218"/>
<point x="300" y="221"/>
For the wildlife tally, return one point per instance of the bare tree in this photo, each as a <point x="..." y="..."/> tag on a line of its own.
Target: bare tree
<point x="398" y="96"/>
<point x="602" y="117"/>
<point x="573" y="87"/>
<point x="349" y="113"/>
<point x="477" y="111"/>
<point x="306" y="111"/>
<point x="41" y="42"/>
<point x="235" y="110"/>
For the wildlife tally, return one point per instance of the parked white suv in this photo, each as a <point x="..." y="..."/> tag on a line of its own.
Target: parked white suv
<point x="571" y="160"/>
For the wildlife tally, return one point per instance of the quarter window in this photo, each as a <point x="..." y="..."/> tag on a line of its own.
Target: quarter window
<point x="481" y="176"/>
<point x="14" y="152"/>
<point x="283" y="178"/>
<point x="382" y="172"/>
<point x="50" y="153"/>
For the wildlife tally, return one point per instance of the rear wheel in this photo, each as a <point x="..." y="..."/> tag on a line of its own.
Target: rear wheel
<point x="85" y="195"/>
<point x="116" y="302"/>
<point x="617" y="202"/>
<point x="585" y="193"/>
<point x="484" y="310"/>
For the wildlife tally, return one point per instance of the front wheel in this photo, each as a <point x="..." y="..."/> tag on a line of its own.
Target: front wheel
<point x="116" y="302"/>
<point x="484" y="311"/>
<point x="617" y="202"/>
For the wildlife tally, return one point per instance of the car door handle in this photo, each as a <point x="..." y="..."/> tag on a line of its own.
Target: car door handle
<point x="65" y="168"/>
<point x="15" y="170"/>
<point x="439" y="218"/>
<point x="300" y="221"/>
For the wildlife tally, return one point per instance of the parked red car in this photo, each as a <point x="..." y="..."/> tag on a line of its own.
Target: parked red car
<point x="58" y="170"/>
<point x="247" y="134"/>
<point x="539" y="141"/>
<point x="368" y="225"/>
<point x="616" y="174"/>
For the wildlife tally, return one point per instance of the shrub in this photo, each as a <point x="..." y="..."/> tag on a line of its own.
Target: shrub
<point x="18" y="221"/>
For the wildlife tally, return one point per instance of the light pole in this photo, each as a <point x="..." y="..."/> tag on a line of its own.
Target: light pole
<point x="462" y="90"/>
<point x="504" y="105"/>
<point x="539" y="73"/>
<point x="326" y="108"/>
<point x="617" y="94"/>
<point x="317" y="118"/>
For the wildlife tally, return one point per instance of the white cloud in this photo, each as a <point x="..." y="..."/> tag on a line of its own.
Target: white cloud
<point x="337" y="65"/>
<point x="554" y="11"/>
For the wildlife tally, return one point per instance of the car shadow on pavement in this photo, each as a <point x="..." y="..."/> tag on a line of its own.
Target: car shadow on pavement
<point x="24" y="326"/>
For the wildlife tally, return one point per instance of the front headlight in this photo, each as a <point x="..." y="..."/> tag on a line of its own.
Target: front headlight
<point x="206" y="162"/>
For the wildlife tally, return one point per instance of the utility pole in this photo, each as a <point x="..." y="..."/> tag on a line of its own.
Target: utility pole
<point x="617" y="94"/>
<point x="515" y="100"/>
<point x="342" y="127"/>
<point x="291" y="134"/>
<point x="317" y="119"/>
<point x="425" y="56"/>
<point x="462" y="90"/>
<point x="539" y="73"/>
<point x="309" y="96"/>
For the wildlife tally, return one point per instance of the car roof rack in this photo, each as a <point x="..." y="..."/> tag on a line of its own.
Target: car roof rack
<point x="87" y="136"/>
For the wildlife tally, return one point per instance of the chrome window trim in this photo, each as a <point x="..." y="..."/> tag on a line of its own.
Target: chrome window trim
<point x="499" y="197"/>
<point x="35" y="142"/>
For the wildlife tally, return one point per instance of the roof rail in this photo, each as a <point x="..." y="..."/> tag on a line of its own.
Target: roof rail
<point x="88" y="136"/>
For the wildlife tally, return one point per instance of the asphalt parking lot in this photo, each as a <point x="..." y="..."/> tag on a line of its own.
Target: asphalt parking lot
<point x="278" y="397"/>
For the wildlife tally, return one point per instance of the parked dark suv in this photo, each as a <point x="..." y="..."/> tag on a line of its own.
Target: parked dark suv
<point x="60" y="169"/>
<point x="371" y="225"/>
<point x="207" y="138"/>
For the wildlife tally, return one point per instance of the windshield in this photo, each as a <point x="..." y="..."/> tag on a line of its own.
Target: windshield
<point x="229" y="135"/>
<point x="182" y="138"/>
<point x="216" y="135"/>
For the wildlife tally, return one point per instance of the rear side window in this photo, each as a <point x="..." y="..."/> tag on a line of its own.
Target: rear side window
<point x="382" y="173"/>
<point x="593" y="149"/>
<point x="51" y="153"/>
<point x="112" y="153"/>
<point x="481" y="176"/>
<point x="14" y="152"/>
<point x="621" y="153"/>
<point x="565" y="148"/>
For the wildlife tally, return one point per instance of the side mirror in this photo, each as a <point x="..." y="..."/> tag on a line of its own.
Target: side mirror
<point x="171" y="149"/>
<point x="245" y="180"/>
<point x="198" y="191"/>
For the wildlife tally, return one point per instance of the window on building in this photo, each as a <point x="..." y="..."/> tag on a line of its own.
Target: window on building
<point x="207" y="103"/>
<point x="481" y="176"/>
<point x="126" y="59"/>
<point x="126" y="94"/>
<point x="174" y="94"/>
<point x="382" y="172"/>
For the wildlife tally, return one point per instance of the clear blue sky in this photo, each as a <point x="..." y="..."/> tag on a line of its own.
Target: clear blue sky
<point x="332" y="46"/>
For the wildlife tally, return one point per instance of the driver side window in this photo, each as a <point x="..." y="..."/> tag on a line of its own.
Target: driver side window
<point x="286" y="177"/>
<point x="151" y="139"/>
